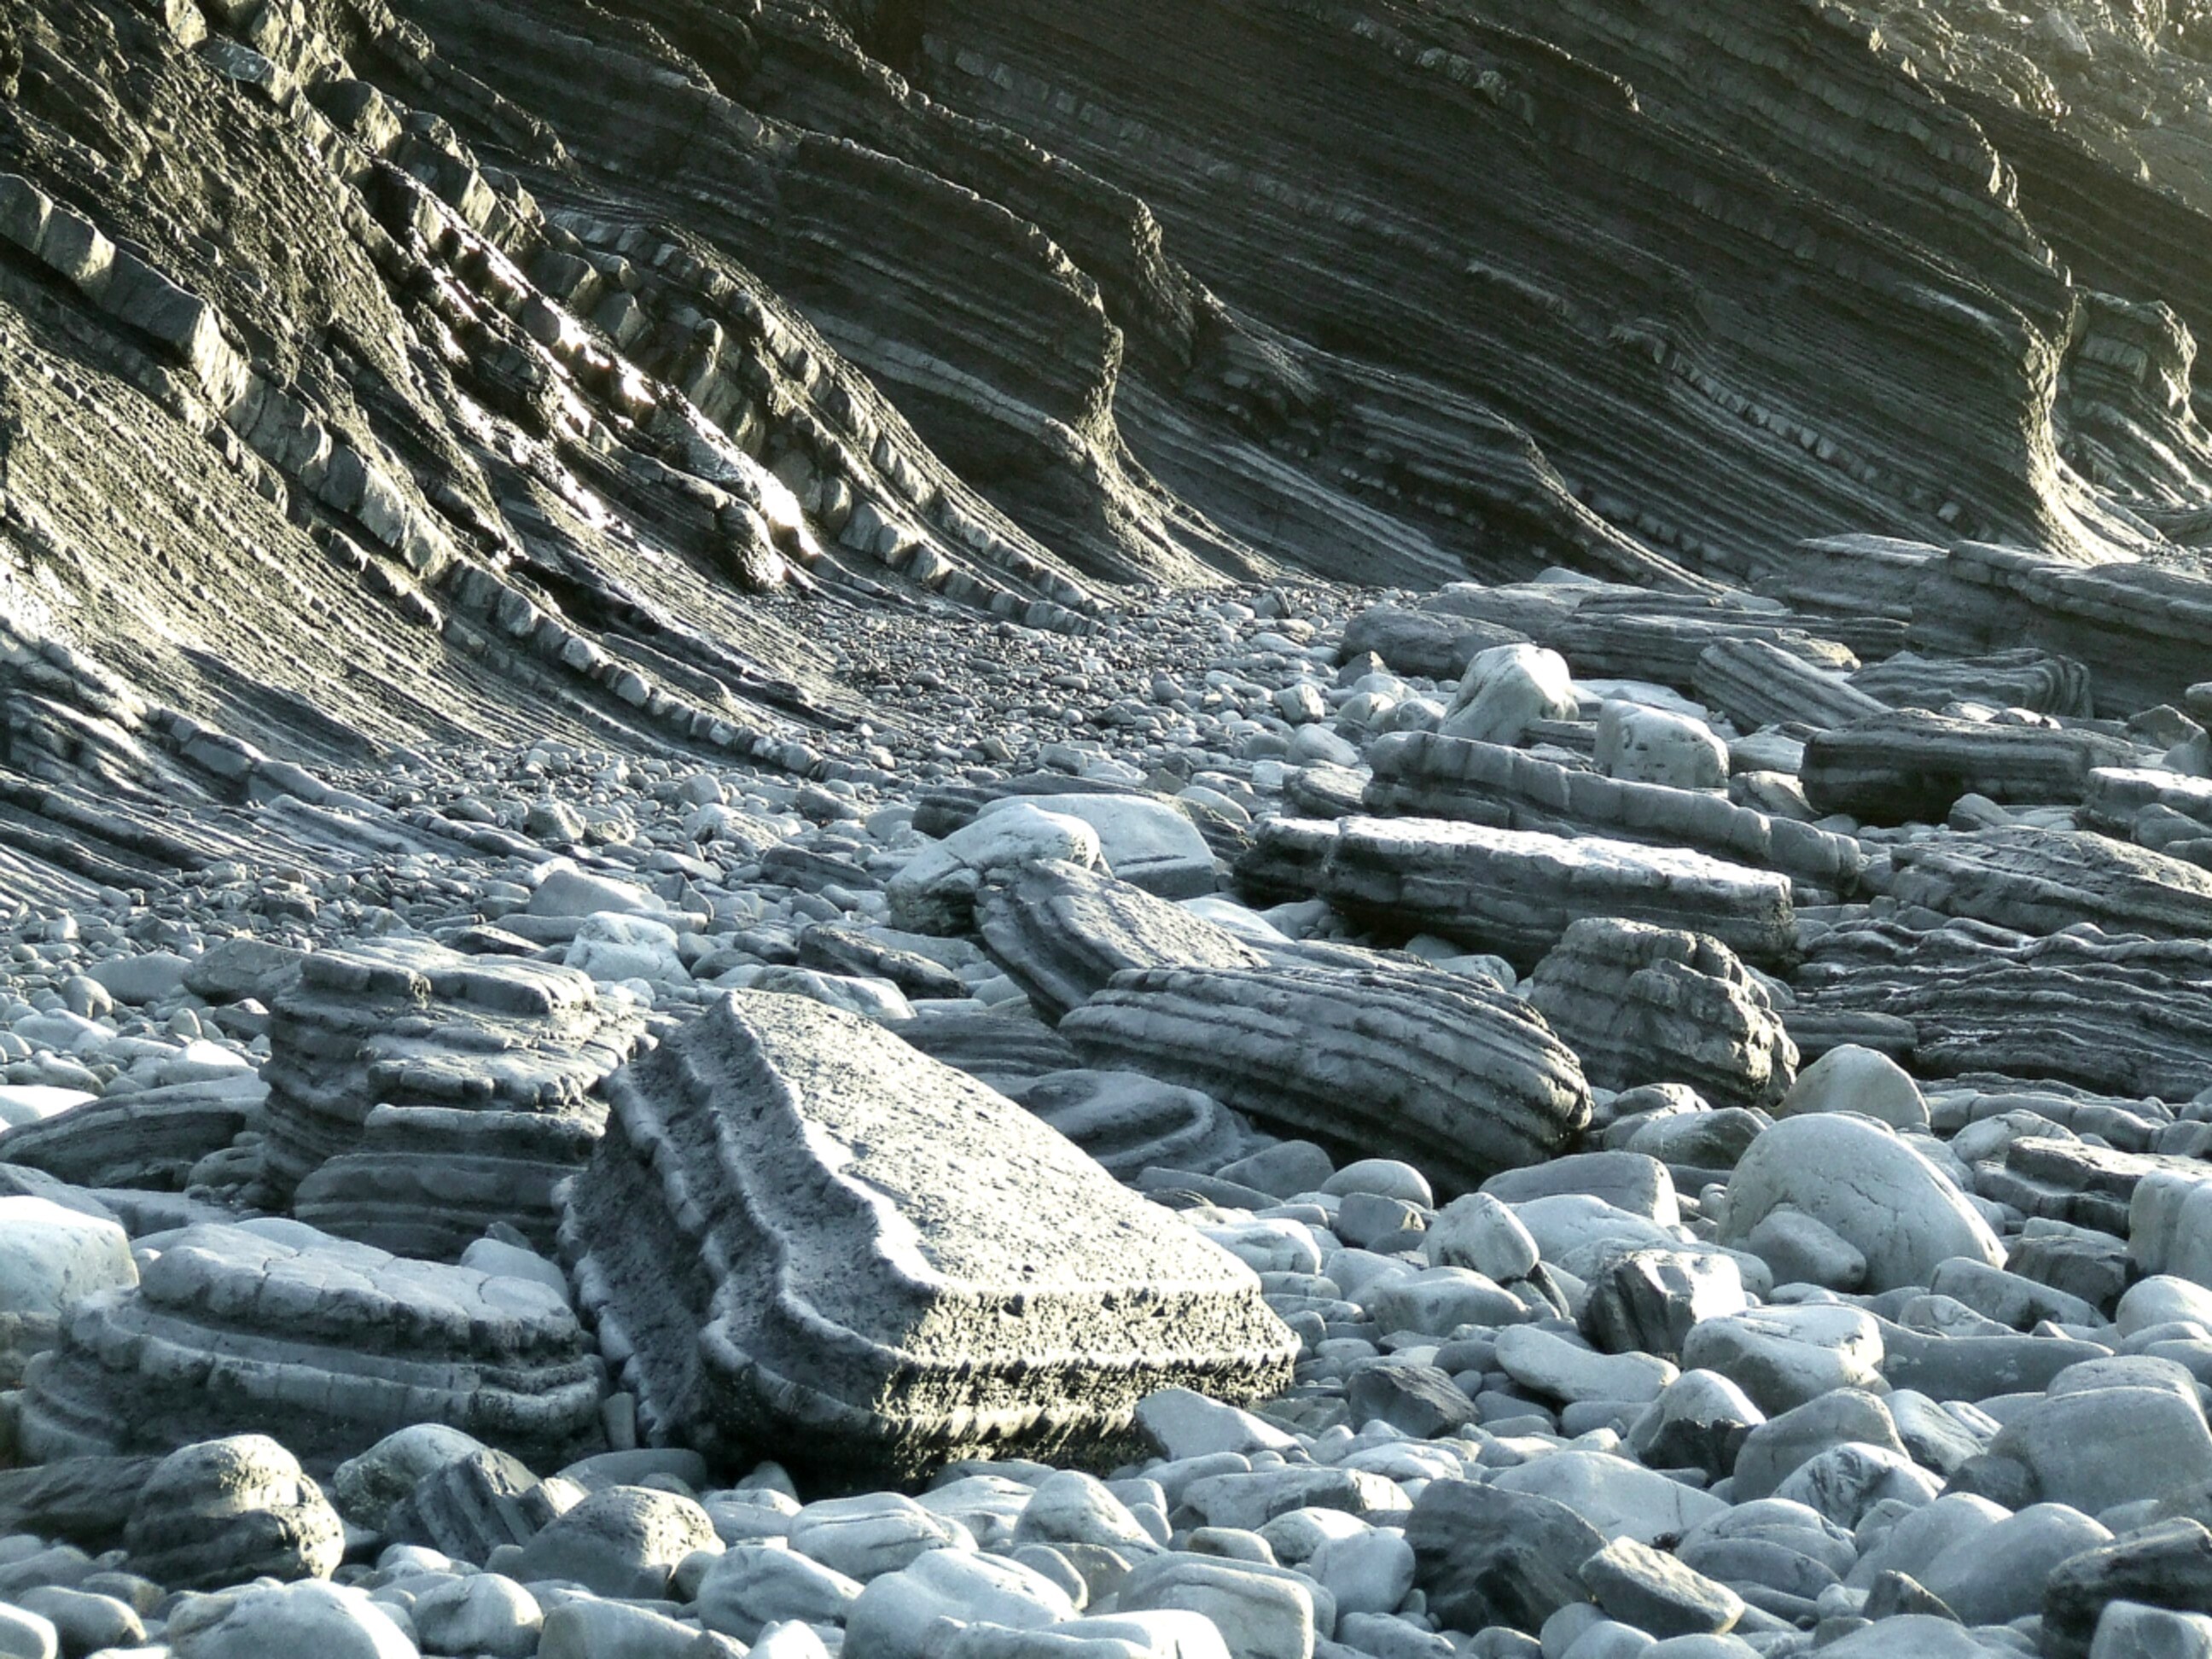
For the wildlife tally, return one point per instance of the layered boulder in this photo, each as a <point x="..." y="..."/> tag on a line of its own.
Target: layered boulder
<point x="326" y="1343"/>
<point x="417" y="1095"/>
<point x="799" y="1238"/>
<point x="1453" y="1075"/>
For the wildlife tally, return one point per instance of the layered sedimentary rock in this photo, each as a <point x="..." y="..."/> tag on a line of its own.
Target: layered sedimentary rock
<point x="1756" y="684"/>
<point x="2116" y="797"/>
<point x="1454" y="1076"/>
<point x="1422" y="774"/>
<point x="879" y="1264"/>
<point x="2025" y="678"/>
<point x="328" y="1344"/>
<point x="1131" y="1122"/>
<point x="225" y="1512"/>
<point x="150" y="1139"/>
<point x="2040" y="881"/>
<point x="1516" y="891"/>
<point x="417" y="1095"/>
<point x="1911" y="764"/>
<point x="1061" y="933"/>
<point x="1644" y="1004"/>
<point x="2128" y="1016"/>
<point x="1004" y="1050"/>
<point x="1608" y="629"/>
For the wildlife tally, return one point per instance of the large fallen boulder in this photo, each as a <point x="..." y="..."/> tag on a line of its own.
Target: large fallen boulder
<point x="801" y="1238"/>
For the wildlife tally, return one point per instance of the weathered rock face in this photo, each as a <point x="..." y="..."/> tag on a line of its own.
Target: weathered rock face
<point x="877" y="1263"/>
<point x="328" y="1343"/>
<point x="417" y="1095"/>
<point x="1454" y="1076"/>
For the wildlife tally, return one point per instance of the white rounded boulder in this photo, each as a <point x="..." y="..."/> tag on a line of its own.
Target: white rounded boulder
<point x="1862" y="1181"/>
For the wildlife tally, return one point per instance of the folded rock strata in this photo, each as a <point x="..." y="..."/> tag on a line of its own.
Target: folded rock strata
<point x="2128" y="1016"/>
<point x="2041" y="881"/>
<point x="1062" y="931"/>
<point x="1642" y="1005"/>
<point x="1516" y="891"/>
<point x="327" y="1344"/>
<point x="417" y="1095"/>
<point x="799" y="1238"/>
<point x="1454" y="1076"/>
<point x="1422" y="774"/>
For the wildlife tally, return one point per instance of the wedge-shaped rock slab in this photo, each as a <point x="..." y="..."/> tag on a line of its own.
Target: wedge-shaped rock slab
<point x="1062" y="931"/>
<point x="1653" y="1004"/>
<point x="1514" y="891"/>
<point x="326" y="1344"/>
<point x="803" y="1240"/>
<point x="417" y="1095"/>
<point x="1451" y="1074"/>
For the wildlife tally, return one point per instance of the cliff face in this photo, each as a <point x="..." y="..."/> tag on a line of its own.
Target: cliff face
<point x="382" y="372"/>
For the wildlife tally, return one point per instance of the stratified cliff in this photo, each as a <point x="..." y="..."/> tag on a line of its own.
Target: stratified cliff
<point x="379" y="373"/>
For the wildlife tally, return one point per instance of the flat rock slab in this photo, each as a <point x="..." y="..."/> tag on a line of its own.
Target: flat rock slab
<point x="1449" y="1073"/>
<point x="804" y="1241"/>
<point x="1514" y="891"/>
<point x="327" y="1344"/>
